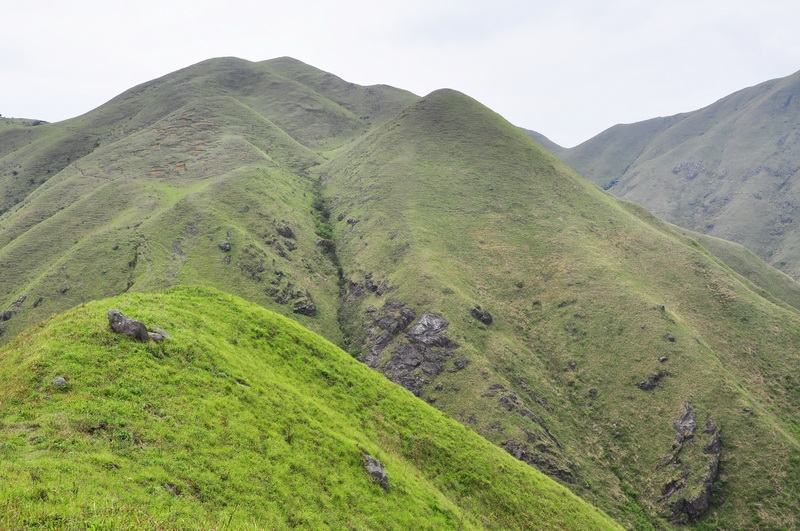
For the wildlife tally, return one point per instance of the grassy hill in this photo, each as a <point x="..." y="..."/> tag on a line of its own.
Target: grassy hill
<point x="651" y="375"/>
<point x="451" y="208"/>
<point x="142" y="192"/>
<point x="727" y="170"/>
<point x="243" y="420"/>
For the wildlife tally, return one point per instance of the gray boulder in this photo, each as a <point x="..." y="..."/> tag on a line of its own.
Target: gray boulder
<point x="376" y="471"/>
<point x="127" y="326"/>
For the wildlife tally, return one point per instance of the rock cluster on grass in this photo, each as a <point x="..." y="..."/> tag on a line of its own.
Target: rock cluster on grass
<point x="693" y="466"/>
<point x="652" y="381"/>
<point x="134" y="328"/>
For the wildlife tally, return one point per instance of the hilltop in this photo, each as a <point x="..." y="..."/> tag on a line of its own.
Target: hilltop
<point x="242" y="420"/>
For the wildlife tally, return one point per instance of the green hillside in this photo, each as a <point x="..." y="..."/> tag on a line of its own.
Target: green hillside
<point x="728" y="170"/>
<point x="449" y="207"/>
<point x="243" y="420"/>
<point x="649" y="369"/>
<point x="146" y="191"/>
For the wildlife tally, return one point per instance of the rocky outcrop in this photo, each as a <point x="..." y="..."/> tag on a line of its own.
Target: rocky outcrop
<point x="305" y="307"/>
<point x="384" y="328"/>
<point x="136" y="329"/>
<point x="420" y="351"/>
<point x="423" y="349"/>
<point x="540" y="447"/>
<point x="356" y="290"/>
<point x="376" y="471"/>
<point x="692" y="468"/>
<point x="651" y="382"/>
<point x="481" y="315"/>
<point x="127" y="326"/>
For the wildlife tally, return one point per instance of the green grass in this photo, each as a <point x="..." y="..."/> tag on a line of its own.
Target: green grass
<point x="243" y="420"/>
<point x="319" y="187"/>
<point x="455" y="207"/>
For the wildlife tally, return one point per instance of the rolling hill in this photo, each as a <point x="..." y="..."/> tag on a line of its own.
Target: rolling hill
<point x="649" y="369"/>
<point x="242" y="420"/>
<point x="728" y="170"/>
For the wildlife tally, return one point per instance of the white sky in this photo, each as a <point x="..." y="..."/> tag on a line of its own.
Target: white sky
<point x="565" y="68"/>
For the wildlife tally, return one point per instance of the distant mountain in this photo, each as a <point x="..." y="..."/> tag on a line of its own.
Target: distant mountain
<point x="242" y="419"/>
<point x="648" y="368"/>
<point x="729" y="170"/>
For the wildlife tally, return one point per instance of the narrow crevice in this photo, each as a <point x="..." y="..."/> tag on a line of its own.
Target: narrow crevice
<point x="327" y="241"/>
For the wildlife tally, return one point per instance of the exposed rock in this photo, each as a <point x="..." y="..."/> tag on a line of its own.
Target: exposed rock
<point x="305" y="307"/>
<point x="327" y="245"/>
<point x="127" y="326"/>
<point x="6" y="315"/>
<point x="687" y="492"/>
<point x="225" y="247"/>
<point x="424" y="347"/>
<point x="38" y="302"/>
<point x="545" y="462"/>
<point x="652" y="381"/>
<point x="376" y="471"/>
<point x="685" y="424"/>
<point x="383" y="329"/>
<point x="285" y="231"/>
<point x="155" y="336"/>
<point x="395" y="322"/>
<point x="356" y="290"/>
<point x="60" y="382"/>
<point x="481" y="315"/>
<point x="20" y="300"/>
<point x="162" y="333"/>
<point x="670" y="338"/>
<point x="663" y="359"/>
<point x="429" y="331"/>
<point x="460" y="363"/>
<point x="714" y="445"/>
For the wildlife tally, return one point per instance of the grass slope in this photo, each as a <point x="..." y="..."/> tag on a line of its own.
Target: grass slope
<point x="449" y="207"/>
<point x="243" y="420"/>
<point x="308" y="195"/>
<point x="140" y="193"/>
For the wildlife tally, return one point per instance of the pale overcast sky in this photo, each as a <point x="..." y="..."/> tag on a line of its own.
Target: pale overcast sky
<point x="565" y="68"/>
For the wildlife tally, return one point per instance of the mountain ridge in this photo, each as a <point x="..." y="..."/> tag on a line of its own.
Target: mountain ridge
<point x="443" y="247"/>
